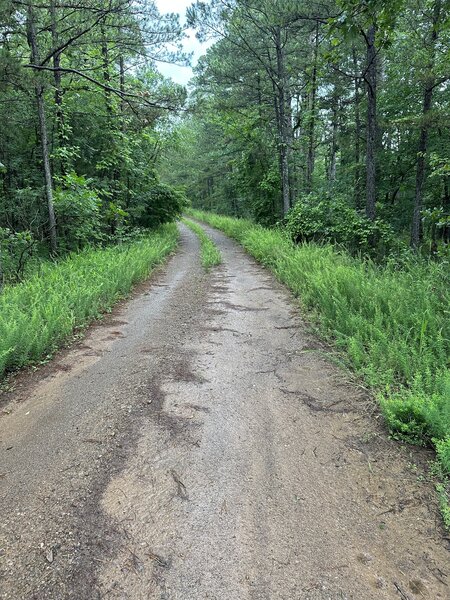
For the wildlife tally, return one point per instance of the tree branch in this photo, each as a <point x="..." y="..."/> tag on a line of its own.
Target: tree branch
<point x="108" y="88"/>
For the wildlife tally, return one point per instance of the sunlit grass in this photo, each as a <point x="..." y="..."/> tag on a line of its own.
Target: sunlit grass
<point x="38" y="315"/>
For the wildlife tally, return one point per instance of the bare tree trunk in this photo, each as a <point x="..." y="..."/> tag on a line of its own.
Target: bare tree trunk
<point x="416" y="227"/>
<point x="357" y="147"/>
<point x="334" y="137"/>
<point x="310" y="162"/>
<point x="371" y="80"/>
<point x="283" y="133"/>
<point x="57" y="75"/>
<point x="39" y="93"/>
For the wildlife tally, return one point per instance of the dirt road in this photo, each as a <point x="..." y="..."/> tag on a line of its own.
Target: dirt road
<point x="198" y="445"/>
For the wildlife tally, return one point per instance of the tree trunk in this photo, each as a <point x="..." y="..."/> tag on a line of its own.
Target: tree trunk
<point x="334" y="138"/>
<point x="57" y="76"/>
<point x="259" y="95"/>
<point x="106" y="73"/>
<point x="310" y="162"/>
<point x="445" y="234"/>
<point x="122" y="88"/>
<point x="416" y="227"/>
<point x="283" y="126"/>
<point x="371" y="80"/>
<point x="1" y="269"/>
<point x="357" y="147"/>
<point x="39" y="93"/>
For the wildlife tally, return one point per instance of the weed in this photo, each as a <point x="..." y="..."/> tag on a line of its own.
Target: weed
<point x="210" y="254"/>
<point x="38" y="315"/>
<point x="444" y="502"/>
<point x="390" y="321"/>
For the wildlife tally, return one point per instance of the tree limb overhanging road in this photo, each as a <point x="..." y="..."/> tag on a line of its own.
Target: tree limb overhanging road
<point x="199" y="444"/>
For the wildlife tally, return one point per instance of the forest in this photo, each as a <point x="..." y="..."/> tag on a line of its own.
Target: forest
<point x="84" y="115"/>
<point x="315" y="133"/>
<point x="331" y="115"/>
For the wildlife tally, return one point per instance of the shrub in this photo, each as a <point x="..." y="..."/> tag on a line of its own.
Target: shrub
<point x="443" y="453"/>
<point x="17" y="248"/>
<point x="77" y="208"/>
<point x="326" y="219"/>
<point x="160" y="204"/>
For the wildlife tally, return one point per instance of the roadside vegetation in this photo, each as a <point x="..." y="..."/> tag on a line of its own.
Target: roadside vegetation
<point x="38" y="315"/>
<point x="209" y="253"/>
<point x="390" y="321"/>
<point x="320" y="129"/>
<point x="83" y="113"/>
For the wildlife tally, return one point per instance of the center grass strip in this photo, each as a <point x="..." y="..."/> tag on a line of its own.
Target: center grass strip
<point x="391" y="323"/>
<point x="40" y="314"/>
<point x="210" y="254"/>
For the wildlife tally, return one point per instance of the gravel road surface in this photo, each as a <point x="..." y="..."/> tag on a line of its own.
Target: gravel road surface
<point x="200" y="444"/>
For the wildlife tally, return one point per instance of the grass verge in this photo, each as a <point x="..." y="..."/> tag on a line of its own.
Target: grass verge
<point x="38" y="315"/>
<point x="391" y="323"/>
<point x="209" y="253"/>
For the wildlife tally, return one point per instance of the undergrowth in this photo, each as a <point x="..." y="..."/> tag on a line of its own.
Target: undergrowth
<point x="391" y="322"/>
<point x="38" y="315"/>
<point x="210" y="254"/>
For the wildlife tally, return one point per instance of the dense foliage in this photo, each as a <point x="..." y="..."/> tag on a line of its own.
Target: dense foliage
<point x="335" y="107"/>
<point x="83" y="115"/>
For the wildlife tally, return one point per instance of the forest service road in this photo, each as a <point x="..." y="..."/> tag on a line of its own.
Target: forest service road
<point x="199" y="445"/>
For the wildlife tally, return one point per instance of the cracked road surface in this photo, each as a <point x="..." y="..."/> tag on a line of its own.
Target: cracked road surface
<point x="199" y="444"/>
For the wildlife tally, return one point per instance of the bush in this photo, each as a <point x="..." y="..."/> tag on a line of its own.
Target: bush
<point x="325" y="219"/>
<point x="160" y="204"/>
<point x="17" y="248"/>
<point x="443" y="453"/>
<point x="77" y="208"/>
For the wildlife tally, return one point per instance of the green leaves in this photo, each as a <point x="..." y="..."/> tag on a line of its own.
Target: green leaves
<point x="38" y="315"/>
<point x="158" y="204"/>
<point x="331" y="219"/>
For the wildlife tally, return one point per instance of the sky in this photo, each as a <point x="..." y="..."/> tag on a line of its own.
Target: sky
<point x="191" y="44"/>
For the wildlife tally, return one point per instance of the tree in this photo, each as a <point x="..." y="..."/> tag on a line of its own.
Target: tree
<point x="430" y="83"/>
<point x="80" y="97"/>
<point x="299" y="100"/>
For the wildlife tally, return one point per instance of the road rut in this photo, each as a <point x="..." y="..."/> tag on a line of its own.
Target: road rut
<point x="199" y="444"/>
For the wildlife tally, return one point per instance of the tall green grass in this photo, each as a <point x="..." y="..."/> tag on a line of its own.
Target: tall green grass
<point x="209" y="252"/>
<point x="38" y="315"/>
<point x="392" y="323"/>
